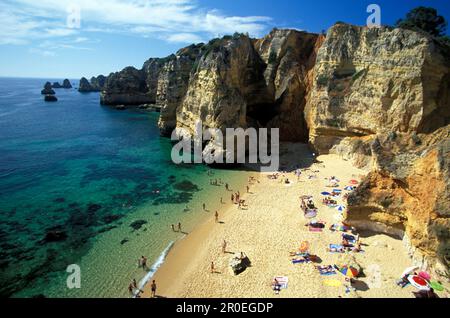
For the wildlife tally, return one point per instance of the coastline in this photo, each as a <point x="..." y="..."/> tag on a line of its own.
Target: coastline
<point x="272" y="226"/>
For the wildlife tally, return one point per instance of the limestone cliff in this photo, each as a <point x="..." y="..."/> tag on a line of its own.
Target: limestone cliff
<point x="226" y="82"/>
<point x="290" y="58"/>
<point x="408" y="192"/>
<point x="373" y="80"/>
<point x="172" y="84"/>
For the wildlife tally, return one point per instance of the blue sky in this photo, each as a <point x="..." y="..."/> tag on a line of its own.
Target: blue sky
<point x="41" y="38"/>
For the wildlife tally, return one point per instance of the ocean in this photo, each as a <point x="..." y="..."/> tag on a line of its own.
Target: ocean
<point x="90" y="185"/>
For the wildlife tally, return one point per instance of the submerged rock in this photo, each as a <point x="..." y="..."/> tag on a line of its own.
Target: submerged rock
<point x="54" y="236"/>
<point x="137" y="225"/>
<point x="186" y="185"/>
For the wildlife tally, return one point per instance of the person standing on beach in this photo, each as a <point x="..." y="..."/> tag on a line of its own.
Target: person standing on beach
<point x="212" y="268"/>
<point x="179" y="226"/>
<point x="144" y="262"/>
<point x="204" y="207"/>
<point x="226" y="186"/>
<point x="153" y="289"/>
<point x="248" y="189"/>
<point x="216" y="215"/>
<point x="173" y="227"/>
<point x="130" y="288"/>
<point x="221" y="200"/>
<point x="224" y="246"/>
<point x="232" y="198"/>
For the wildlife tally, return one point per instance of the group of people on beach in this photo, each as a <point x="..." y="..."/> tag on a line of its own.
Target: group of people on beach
<point x="178" y="227"/>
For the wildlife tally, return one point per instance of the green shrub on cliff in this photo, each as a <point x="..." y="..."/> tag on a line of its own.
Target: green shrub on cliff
<point x="424" y="19"/>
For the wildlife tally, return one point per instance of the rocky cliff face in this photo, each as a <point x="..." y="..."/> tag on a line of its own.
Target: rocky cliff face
<point x="172" y="84"/>
<point x="408" y="192"/>
<point x="96" y="84"/>
<point x="375" y="80"/>
<point x="290" y="58"/>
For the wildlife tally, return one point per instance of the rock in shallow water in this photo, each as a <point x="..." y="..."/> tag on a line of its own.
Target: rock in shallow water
<point x="50" y="98"/>
<point x="136" y="225"/>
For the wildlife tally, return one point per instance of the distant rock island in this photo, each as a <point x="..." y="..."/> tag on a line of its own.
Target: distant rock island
<point x="48" y="90"/>
<point x="379" y="97"/>
<point x="96" y="84"/>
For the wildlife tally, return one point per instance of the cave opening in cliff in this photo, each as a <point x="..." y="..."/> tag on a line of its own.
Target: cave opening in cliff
<point x="262" y="113"/>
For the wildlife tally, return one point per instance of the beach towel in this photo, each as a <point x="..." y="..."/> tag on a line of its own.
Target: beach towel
<point x="338" y="227"/>
<point x="300" y="261"/>
<point x="336" y="248"/>
<point x="315" y="229"/>
<point x="282" y="281"/>
<point x="326" y="270"/>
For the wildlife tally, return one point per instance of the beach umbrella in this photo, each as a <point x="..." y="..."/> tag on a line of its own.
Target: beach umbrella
<point x="425" y="275"/>
<point x="436" y="286"/>
<point x="409" y="270"/>
<point x="325" y="193"/>
<point x="353" y="181"/>
<point x="340" y="208"/>
<point x="349" y="271"/>
<point x="337" y="190"/>
<point x="305" y="197"/>
<point x="349" y="188"/>
<point x="418" y="282"/>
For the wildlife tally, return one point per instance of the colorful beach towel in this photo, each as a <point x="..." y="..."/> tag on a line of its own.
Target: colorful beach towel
<point x="326" y="270"/>
<point x="282" y="281"/>
<point x="336" y="248"/>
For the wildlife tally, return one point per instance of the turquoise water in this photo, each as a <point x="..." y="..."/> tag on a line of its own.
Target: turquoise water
<point x="100" y="178"/>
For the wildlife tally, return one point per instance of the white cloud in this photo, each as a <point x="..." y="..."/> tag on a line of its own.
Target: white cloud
<point x="23" y="21"/>
<point x="184" y="38"/>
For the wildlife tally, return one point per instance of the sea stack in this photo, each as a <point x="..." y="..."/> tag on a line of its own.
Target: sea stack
<point x="56" y="85"/>
<point x="48" y="89"/>
<point x="66" y="84"/>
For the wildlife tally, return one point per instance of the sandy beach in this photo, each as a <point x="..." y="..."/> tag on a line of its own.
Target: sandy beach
<point x="269" y="228"/>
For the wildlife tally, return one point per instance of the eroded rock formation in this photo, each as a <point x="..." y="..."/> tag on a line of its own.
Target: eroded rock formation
<point x="408" y="192"/>
<point x="96" y="84"/>
<point x="376" y="80"/>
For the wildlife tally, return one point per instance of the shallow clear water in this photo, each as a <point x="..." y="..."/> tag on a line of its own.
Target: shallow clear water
<point x="91" y="173"/>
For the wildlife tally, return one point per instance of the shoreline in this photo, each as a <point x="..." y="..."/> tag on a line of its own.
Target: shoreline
<point x="267" y="238"/>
